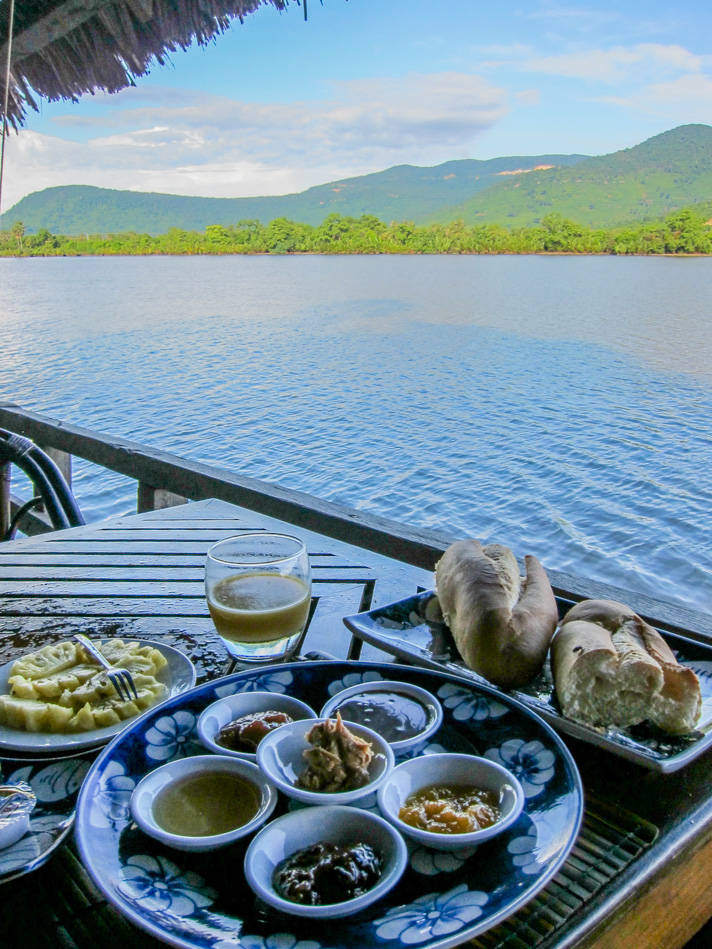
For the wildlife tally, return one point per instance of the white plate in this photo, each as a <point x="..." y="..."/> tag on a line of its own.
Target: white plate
<point x="178" y="676"/>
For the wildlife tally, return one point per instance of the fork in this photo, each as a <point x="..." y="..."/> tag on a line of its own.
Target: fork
<point x="121" y="679"/>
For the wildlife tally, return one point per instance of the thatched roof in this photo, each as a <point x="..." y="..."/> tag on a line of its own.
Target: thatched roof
<point x="64" y="48"/>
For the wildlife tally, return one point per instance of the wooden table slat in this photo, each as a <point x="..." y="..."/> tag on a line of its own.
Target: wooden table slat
<point x="123" y="584"/>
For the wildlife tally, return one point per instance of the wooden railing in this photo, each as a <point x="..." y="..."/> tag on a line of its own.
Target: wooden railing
<point x="164" y="479"/>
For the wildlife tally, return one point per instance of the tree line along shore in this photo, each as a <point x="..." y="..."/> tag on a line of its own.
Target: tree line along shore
<point x="685" y="232"/>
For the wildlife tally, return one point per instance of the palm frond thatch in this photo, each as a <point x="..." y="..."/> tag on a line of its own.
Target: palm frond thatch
<point x="62" y="49"/>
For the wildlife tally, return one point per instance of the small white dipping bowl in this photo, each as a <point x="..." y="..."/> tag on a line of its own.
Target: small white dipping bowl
<point x="149" y="787"/>
<point x="279" y="755"/>
<point x="226" y="710"/>
<point x="433" y="708"/>
<point x="336" y="825"/>
<point x="450" y="769"/>
<point x="17" y="801"/>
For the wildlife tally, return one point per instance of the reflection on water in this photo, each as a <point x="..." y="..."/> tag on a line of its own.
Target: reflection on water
<point x="560" y="405"/>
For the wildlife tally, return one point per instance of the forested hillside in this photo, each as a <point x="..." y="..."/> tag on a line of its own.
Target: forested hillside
<point x="663" y="174"/>
<point x="645" y="183"/>
<point x="402" y="193"/>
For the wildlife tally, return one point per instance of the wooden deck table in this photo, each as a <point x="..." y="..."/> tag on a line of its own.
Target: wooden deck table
<point x="640" y="875"/>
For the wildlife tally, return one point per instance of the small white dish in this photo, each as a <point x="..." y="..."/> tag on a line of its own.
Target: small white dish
<point x="392" y="719"/>
<point x="450" y="769"/>
<point x="226" y="710"/>
<point x="337" y="825"/>
<point x="280" y="756"/>
<point x="148" y="789"/>
<point x="17" y="801"/>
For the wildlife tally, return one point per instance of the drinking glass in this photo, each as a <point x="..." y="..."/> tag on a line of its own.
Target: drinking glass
<point x="258" y="588"/>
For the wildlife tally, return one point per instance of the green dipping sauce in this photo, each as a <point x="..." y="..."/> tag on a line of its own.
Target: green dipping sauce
<point x="206" y="804"/>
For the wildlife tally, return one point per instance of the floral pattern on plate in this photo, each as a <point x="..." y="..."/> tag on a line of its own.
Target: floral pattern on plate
<point x="173" y="736"/>
<point x="56" y="785"/>
<point x="273" y="681"/>
<point x="431" y="916"/>
<point x="529" y="761"/>
<point x="430" y="862"/>
<point x="465" y="703"/>
<point x="156" y="883"/>
<point x="442" y="900"/>
<point x="110" y="805"/>
<point x="351" y="679"/>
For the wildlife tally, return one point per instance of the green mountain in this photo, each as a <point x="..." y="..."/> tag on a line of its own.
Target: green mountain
<point x="402" y="193"/>
<point x="651" y="180"/>
<point x="663" y="174"/>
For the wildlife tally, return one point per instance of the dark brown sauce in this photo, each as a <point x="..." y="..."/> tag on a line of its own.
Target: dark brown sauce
<point x="245" y="733"/>
<point x="394" y="715"/>
<point x="327" y="873"/>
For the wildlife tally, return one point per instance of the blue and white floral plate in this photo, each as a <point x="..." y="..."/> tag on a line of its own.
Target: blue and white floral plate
<point x="56" y="785"/>
<point x="412" y="630"/>
<point x="202" y="901"/>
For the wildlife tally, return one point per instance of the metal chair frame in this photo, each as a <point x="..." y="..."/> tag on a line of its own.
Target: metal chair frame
<point x="49" y="484"/>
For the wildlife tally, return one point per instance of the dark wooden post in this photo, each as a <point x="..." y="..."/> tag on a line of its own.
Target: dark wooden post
<point x="155" y="499"/>
<point x="4" y="499"/>
<point x="63" y="461"/>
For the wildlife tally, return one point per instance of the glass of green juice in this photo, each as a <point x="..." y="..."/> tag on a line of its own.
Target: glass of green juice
<point x="258" y="588"/>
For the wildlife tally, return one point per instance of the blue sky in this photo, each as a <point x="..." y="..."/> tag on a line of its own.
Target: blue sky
<point x="277" y="105"/>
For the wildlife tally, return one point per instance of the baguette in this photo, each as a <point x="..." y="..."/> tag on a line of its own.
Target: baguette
<point x="611" y="668"/>
<point x="501" y="624"/>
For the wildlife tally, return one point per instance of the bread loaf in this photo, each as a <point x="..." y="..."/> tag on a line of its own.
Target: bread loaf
<point x="611" y="668"/>
<point x="502" y="624"/>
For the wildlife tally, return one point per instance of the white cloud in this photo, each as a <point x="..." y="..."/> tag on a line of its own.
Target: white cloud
<point x="185" y="142"/>
<point x="653" y="78"/>
<point x="610" y="66"/>
<point x="529" y="97"/>
<point x="687" y="99"/>
<point x="141" y="138"/>
<point x="49" y="162"/>
<point x="604" y="65"/>
<point x="583" y="19"/>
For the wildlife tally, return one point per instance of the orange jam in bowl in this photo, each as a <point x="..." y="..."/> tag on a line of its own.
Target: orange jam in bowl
<point x="450" y="809"/>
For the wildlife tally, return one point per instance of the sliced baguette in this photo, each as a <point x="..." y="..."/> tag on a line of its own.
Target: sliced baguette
<point x="612" y="668"/>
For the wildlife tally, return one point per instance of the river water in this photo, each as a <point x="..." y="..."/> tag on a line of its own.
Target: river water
<point x="560" y="405"/>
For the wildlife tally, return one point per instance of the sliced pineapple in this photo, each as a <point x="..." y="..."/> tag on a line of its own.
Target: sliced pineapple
<point x="46" y="661"/>
<point x="60" y="689"/>
<point x="26" y="714"/>
<point x="49" y="687"/>
<point x="156" y="656"/>
<point x="105" y="715"/>
<point x="139" y="664"/>
<point x="82" y="721"/>
<point x="22" y="688"/>
<point x="109" y="710"/>
<point x="133" y="656"/>
<point x="58" y="717"/>
<point x="143" y="682"/>
<point x="95" y="689"/>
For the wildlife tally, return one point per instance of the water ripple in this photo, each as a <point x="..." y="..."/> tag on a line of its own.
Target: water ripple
<point x="540" y="402"/>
